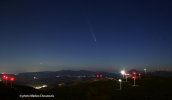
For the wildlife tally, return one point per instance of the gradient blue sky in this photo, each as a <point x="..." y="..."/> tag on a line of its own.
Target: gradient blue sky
<point x="95" y="35"/>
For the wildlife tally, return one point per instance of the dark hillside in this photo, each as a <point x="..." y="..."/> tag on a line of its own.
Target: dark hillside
<point x="8" y="93"/>
<point x="150" y="88"/>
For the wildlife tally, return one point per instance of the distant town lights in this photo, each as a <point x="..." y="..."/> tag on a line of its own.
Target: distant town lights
<point x="38" y="87"/>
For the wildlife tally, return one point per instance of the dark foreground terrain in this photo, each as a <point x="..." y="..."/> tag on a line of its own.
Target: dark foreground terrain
<point x="8" y="93"/>
<point x="149" y="88"/>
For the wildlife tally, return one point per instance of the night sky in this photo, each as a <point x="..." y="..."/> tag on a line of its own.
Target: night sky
<point x="94" y="35"/>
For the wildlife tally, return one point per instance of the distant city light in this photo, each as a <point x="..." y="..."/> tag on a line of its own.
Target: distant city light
<point x="39" y="87"/>
<point x="44" y="86"/>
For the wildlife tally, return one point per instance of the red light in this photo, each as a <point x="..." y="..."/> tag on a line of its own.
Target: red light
<point x="12" y="79"/>
<point x="97" y="75"/>
<point x="139" y="74"/>
<point x="133" y="77"/>
<point x="4" y="76"/>
<point x="125" y="74"/>
<point x="134" y="72"/>
<point x="100" y="75"/>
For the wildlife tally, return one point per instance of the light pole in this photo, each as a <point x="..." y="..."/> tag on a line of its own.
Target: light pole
<point x="134" y="80"/>
<point x="126" y="76"/>
<point x="101" y="76"/>
<point x="120" y="83"/>
<point x="145" y="70"/>
<point x="97" y="76"/>
<point x="6" y="79"/>
<point x="123" y="72"/>
<point x="11" y="81"/>
<point x="134" y="73"/>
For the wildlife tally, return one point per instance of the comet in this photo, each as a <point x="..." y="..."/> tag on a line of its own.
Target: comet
<point x="91" y="30"/>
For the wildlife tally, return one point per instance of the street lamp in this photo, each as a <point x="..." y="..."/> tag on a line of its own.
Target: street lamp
<point x="134" y="80"/>
<point x="126" y="76"/>
<point x="12" y="79"/>
<point x="6" y="79"/>
<point x="101" y="76"/>
<point x="123" y="72"/>
<point x="120" y="83"/>
<point x="97" y="76"/>
<point x="145" y="70"/>
<point x="134" y="73"/>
